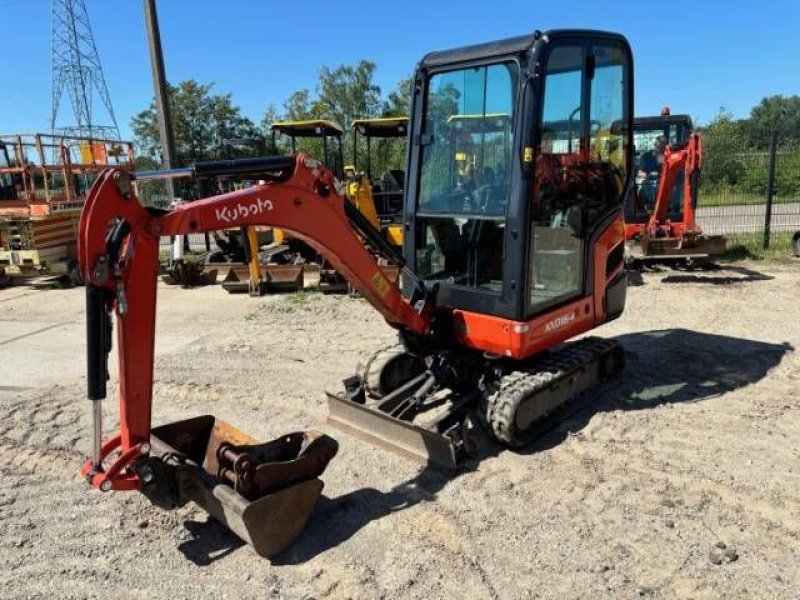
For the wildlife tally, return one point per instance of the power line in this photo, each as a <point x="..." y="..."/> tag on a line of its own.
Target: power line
<point x="77" y="69"/>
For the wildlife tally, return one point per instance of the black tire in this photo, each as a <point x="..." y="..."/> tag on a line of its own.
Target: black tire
<point x="387" y="370"/>
<point x="501" y="408"/>
<point x="796" y="243"/>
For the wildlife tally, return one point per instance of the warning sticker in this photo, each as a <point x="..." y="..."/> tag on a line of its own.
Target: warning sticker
<point x="380" y="283"/>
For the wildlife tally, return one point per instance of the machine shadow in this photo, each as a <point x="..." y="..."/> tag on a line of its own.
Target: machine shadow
<point x="666" y="366"/>
<point x="741" y="275"/>
<point x="672" y="366"/>
<point x="210" y="542"/>
<point x="635" y="278"/>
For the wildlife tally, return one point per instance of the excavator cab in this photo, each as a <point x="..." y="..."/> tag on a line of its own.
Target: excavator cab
<point x="650" y="136"/>
<point x="509" y="185"/>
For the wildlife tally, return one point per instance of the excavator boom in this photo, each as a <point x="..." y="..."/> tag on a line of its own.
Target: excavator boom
<point x="119" y="260"/>
<point x="686" y="160"/>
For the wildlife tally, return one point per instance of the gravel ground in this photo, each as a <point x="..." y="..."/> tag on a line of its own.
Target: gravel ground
<point x="682" y="480"/>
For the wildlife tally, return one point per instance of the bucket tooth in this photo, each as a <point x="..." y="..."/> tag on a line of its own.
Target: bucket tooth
<point x="263" y="492"/>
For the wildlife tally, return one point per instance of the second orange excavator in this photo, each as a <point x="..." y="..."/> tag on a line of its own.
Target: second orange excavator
<point x="660" y="212"/>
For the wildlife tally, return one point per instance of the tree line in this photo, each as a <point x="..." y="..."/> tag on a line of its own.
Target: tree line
<point x="209" y="126"/>
<point x="736" y="152"/>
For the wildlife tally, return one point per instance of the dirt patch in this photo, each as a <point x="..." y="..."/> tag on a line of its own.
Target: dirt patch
<point x="689" y="460"/>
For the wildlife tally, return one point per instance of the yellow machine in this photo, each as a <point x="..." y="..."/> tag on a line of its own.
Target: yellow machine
<point x="380" y="199"/>
<point x="488" y="132"/>
<point x="322" y="139"/>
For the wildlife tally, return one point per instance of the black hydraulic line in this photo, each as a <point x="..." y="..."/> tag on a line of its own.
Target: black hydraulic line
<point x="369" y="160"/>
<point x="263" y="167"/>
<point x="355" y="145"/>
<point x="98" y="341"/>
<point x="373" y="236"/>
<point x="245" y="244"/>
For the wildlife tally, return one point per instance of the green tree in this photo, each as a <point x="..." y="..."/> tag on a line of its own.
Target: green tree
<point x="723" y="142"/>
<point x="398" y="101"/>
<point x="344" y="94"/>
<point x="299" y="107"/>
<point x="348" y="92"/>
<point x="774" y="113"/>
<point x="204" y="125"/>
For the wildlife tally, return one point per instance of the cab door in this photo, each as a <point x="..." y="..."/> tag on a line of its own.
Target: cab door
<point x="581" y="164"/>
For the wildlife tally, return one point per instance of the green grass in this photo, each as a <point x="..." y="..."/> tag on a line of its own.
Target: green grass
<point x="296" y="301"/>
<point x="744" y="246"/>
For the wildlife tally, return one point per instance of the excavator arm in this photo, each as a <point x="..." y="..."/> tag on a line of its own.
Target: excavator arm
<point x="119" y="251"/>
<point x="687" y="159"/>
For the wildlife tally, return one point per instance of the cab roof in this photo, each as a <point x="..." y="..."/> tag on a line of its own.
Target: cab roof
<point x="643" y="123"/>
<point x="308" y="128"/>
<point x="384" y="127"/>
<point x="509" y="46"/>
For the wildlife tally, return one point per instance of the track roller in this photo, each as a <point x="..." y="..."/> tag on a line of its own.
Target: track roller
<point x="522" y="405"/>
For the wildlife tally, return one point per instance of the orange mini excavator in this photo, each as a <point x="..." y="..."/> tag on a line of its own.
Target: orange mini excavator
<point x="660" y="223"/>
<point x="502" y="264"/>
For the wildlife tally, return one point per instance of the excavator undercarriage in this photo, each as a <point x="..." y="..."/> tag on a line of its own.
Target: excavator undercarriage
<point x="435" y="423"/>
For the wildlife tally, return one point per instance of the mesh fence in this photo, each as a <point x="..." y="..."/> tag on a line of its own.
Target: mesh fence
<point x="750" y="191"/>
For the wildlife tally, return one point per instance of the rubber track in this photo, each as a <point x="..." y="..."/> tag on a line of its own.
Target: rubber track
<point x="508" y="394"/>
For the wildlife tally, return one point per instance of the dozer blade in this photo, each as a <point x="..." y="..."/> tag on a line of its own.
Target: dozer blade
<point x="676" y="248"/>
<point x="275" y="278"/>
<point x="264" y="493"/>
<point x="441" y="441"/>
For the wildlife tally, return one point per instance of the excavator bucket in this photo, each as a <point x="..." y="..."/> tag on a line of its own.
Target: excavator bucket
<point x="263" y="492"/>
<point x="284" y="278"/>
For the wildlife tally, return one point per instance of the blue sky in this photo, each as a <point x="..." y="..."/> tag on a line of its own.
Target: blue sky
<point x="694" y="56"/>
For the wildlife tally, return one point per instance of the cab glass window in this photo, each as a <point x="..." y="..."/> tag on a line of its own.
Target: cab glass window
<point x="464" y="183"/>
<point x="468" y="139"/>
<point x="580" y="164"/>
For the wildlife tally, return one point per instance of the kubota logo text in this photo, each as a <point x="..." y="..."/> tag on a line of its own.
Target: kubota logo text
<point x="240" y="211"/>
<point x="559" y="322"/>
